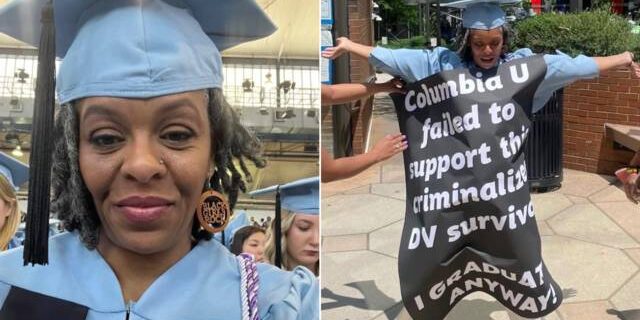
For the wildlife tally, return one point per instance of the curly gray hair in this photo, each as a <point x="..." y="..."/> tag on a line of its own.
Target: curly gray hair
<point x="73" y="204"/>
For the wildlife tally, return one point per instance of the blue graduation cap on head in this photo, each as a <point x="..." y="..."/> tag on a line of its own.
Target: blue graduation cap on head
<point x="299" y="197"/>
<point x="13" y="170"/>
<point x="141" y="41"/>
<point x="481" y="14"/>
<point x="119" y="48"/>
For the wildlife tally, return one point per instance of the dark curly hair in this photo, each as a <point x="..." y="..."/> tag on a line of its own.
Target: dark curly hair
<point x="73" y="205"/>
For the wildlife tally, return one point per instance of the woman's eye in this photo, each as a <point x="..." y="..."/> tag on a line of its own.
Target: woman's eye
<point x="304" y="228"/>
<point x="105" y="140"/>
<point x="177" y="136"/>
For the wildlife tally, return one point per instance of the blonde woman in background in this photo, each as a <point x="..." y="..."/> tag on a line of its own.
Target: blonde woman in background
<point x="12" y="174"/>
<point x="300" y="242"/>
<point x="9" y="215"/>
<point x="299" y="239"/>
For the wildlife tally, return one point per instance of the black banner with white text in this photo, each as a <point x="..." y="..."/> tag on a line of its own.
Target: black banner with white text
<point x="469" y="222"/>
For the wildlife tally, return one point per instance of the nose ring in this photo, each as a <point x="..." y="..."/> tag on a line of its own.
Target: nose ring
<point x="161" y="161"/>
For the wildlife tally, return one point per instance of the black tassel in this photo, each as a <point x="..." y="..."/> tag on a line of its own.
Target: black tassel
<point x="37" y="224"/>
<point x="277" y="228"/>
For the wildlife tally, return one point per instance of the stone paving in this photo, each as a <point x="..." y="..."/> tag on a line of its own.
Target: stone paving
<point x="590" y="242"/>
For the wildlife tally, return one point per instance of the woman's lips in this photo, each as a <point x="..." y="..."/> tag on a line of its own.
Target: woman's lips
<point x="311" y="253"/>
<point x="143" y="209"/>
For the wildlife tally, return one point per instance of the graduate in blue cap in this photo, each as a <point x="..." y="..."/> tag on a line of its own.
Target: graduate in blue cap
<point x="13" y="173"/>
<point x="142" y="161"/>
<point x="483" y="45"/>
<point x="293" y="239"/>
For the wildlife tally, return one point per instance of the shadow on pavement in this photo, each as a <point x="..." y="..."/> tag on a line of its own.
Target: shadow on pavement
<point x="373" y="299"/>
<point x="625" y="314"/>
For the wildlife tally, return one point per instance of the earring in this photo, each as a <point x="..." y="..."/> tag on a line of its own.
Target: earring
<point x="213" y="210"/>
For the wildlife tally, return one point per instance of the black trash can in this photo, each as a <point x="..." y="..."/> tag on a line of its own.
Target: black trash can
<point x="543" y="151"/>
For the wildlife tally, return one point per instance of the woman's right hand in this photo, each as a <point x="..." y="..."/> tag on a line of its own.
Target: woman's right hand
<point x="389" y="146"/>
<point x="393" y="85"/>
<point x="342" y="47"/>
<point x="632" y="188"/>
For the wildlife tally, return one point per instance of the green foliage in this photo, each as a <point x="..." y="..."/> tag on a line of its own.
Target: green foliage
<point x="396" y="11"/>
<point x="593" y="33"/>
<point x="418" y="42"/>
<point x="601" y="4"/>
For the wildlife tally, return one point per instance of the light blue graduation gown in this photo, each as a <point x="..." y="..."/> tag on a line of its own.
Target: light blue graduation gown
<point x="204" y="284"/>
<point x="13" y="243"/>
<point x="415" y="64"/>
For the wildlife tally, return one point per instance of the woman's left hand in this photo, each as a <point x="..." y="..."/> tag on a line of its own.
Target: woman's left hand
<point x="389" y="146"/>
<point x="634" y="67"/>
<point x="342" y="47"/>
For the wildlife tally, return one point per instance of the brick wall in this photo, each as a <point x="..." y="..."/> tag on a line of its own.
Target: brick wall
<point x="588" y="105"/>
<point x="360" y="31"/>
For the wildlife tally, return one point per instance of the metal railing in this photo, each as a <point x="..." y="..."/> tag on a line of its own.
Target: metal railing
<point x="268" y="97"/>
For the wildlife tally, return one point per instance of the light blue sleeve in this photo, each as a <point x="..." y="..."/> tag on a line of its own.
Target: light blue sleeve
<point x="4" y="292"/>
<point x="413" y="64"/>
<point x="302" y="302"/>
<point x="562" y="70"/>
<point x="520" y="53"/>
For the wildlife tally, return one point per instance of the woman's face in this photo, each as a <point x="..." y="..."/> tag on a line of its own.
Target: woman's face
<point x="486" y="47"/>
<point x="145" y="163"/>
<point x="255" y="246"/>
<point x="302" y="240"/>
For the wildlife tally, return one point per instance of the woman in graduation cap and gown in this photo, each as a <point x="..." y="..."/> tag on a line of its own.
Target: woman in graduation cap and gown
<point x="293" y="238"/>
<point x="142" y="129"/>
<point x="12" y="174"/>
